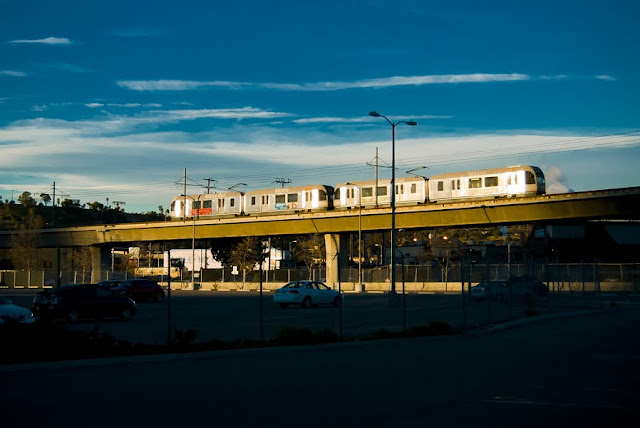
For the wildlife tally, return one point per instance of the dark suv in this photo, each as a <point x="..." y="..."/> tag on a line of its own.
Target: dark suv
<point x="140" y="289"/>
<point x="73" y="302"/>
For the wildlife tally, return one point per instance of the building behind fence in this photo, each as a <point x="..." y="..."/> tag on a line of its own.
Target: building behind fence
<point x="564" y="277"/>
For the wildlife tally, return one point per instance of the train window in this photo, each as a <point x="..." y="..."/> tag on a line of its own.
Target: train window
<point x="529" y="177"/>
<point x="220" y="203"/>
<point x="351" y="193"/>
<point x="253" y="200"/>
<point x="458" y="183"/>
<point x="491" y="181"/>
<point x="414" y="188"/>
<point x="508" y="180"/>
<point x="232" y="202"/>
<point x="336" y="195"/>
<point x="382" y="190"/>
<point x="440" y="186"/>
<point x="292" y="197"/>
<point x="308" y="196"/>
<point x="322" y="195"/>
<point x="367" y="192"/>
<point x="475" y="183"/>
<point x="196" y="205"/>
<point x="265" y="199"/>
<point x="279" y="199"/>
<point x="206" y="204"/>
<point x="399" y="189"/>
<point x="453" y="184"/>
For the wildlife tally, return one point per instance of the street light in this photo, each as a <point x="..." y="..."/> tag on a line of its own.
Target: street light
<point x="359" y="287"/>
<point x="392" y="292"/>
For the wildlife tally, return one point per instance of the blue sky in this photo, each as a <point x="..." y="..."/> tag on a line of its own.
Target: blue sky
<point x="112" y="99"/>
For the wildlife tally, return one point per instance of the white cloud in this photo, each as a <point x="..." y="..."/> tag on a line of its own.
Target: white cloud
<point x="12" y="73"/>
<point x="175" y="85"/>
<point x="398" y="81"/>
<point x="46" y="41"/>
<point x="362" y="119"/>
<point x="185" y="85"/>
<point x="605" y="77"/>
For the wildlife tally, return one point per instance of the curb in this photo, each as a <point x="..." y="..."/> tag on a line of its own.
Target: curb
<point x="537" y="318"/>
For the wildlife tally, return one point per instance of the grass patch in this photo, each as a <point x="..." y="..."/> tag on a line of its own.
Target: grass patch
<point x="55" y="342"/>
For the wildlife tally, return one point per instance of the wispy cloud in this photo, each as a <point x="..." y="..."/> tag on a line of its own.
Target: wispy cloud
<point x="45" y="41"/>
<point x="362" y="119"/>
<point x="398" y="81"/>
<point x="12" y="73"/>
<point x="176" y="85"/>
<point x="185" y="85"/>
<point x="124" y="105"/>
<point x="605" y="77"/>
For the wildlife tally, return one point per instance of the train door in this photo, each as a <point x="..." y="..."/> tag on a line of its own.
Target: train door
<point x="454" y="188"/>
<point x="512" y="183"/>
<point x="264" y="202"/>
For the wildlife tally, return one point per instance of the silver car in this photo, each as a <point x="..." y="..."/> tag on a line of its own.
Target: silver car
<point x="307" y="294"/>
<point x="495" y="290"/>
<point x="10" y="313"/>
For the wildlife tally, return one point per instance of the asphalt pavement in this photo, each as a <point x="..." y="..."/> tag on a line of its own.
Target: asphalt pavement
<point x="577" y="368"/>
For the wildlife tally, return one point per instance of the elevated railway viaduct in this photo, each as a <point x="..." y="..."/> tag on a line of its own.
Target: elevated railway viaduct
<point x="622" y="204"/>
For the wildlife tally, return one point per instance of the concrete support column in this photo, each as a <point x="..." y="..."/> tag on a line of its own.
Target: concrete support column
<point x="337" y="247"/>
<point x="100" y="262"/>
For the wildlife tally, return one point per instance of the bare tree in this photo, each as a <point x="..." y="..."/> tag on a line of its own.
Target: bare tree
<point x="246" y="254"/>
<point x="311" y="251"/>
<point x="24" y="243"/>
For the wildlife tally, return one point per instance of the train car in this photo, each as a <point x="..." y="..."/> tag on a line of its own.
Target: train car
<point x="207" y="205"/>
<point x="409" y="191"/>
<point x="487" y="184"/>
<point x="315" y="197"/>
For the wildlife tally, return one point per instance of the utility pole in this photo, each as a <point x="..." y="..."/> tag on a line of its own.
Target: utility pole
<point x="208" y="180"/>
<point x="53" y="220"/>
<point x="282" y="181"/>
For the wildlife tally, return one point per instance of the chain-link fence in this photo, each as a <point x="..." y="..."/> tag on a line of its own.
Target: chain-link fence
<point x="562" y="277"/>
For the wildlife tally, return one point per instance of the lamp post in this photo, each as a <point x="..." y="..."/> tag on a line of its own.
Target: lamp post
<point x="193" y="239"/>
<point x="359" y="287"/>
<point x="392" y="293"/>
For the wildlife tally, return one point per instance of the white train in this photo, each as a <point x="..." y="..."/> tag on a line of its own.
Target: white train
<point x="513" y="181"/>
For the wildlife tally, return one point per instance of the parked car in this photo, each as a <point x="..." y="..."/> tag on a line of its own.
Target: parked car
<point x="73" y="302"/>
<point x="523" y="285"/>
<point x="494" y="290"/>
<point x="140" y="289"/>
<point x="110" y="283"/>
<point x="10" y="313"/>
<point x="307" y="294"/>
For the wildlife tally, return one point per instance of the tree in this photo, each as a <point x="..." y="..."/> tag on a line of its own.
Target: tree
<point x="246" y="254"/>
<point x="82" y="261"/>
<point x="311" y="251"/>
<point x="24" y="243"/>
<point x="26" y="199"/>
<point x="45" y="198"/>
<point x="96" y="206"/>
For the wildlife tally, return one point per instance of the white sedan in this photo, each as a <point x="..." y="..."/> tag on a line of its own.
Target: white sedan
<point x="11" y="313"/>
<point x="307" y="294"/>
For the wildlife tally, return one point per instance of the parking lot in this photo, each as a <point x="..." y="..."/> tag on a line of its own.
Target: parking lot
<point x="237" y="315"/>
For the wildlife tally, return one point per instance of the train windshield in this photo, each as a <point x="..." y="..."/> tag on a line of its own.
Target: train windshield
<point x="539" y="175"/>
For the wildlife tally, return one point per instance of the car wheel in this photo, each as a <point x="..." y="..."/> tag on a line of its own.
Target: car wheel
<point x="125" y="314"/>
<point x="306" y="303"/>
<point x="283" y="305"/>
<point x="73" y="316"/>
<point x="159" y="297"/>
<point x="337" y="302"/>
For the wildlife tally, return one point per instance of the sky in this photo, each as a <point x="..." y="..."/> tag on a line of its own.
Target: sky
<point x="112" y="101"/>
